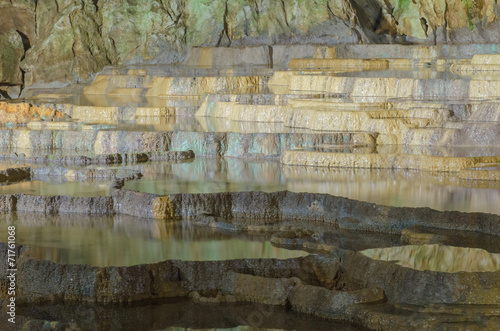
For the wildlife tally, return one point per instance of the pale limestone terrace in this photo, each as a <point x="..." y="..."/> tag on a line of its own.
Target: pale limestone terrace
<point x="438" y="258"/>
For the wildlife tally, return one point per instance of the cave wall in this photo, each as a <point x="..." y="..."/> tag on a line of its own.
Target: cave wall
<point x="66" y="41"/>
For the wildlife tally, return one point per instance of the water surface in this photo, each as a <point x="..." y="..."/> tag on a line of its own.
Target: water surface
<point x="399" y="188"/>
<point x="126" y="241"/>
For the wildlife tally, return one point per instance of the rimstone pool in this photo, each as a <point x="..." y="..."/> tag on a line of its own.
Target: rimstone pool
<point x="330" y="191"/>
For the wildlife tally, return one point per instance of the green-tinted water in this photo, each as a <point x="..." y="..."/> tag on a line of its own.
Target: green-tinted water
<point x="125" y="241"/>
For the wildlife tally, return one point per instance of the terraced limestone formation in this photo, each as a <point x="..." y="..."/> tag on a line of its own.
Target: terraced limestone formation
<point x="354" y="186"/>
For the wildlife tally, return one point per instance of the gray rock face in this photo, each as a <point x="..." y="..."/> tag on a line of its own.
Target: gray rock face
<point x="69" y="42"/>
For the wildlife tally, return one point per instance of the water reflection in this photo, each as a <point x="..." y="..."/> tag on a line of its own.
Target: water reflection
<point x="400" y="188"/>
<point x="125" y="241"/>
<point x="438" y="258"/>
<point x="178" y="314"/>
<point x="54" y="187"/>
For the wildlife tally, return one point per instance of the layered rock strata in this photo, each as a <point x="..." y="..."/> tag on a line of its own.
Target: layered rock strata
<point x="77" y="39"/>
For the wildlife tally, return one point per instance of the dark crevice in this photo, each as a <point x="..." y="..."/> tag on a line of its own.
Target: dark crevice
<point x="4" y="94"/>
<point x="26" y="47"/>
<point x="36" y="26"/>
<point x="378" y="21"/>
<point x="425" y="25"/>
<point x="257" y="10"/>
<point x="271" y="61"/>
<point x="26" y="42"/>
<point x="284" y="12"/>
<point x="225" y="30"/>
<point x="330" y="11"/>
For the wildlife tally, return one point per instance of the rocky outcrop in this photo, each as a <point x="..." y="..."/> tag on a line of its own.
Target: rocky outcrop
<point x="77" y="38"/>
<point x="67" y="42"/>
<point x="254" y="211"/>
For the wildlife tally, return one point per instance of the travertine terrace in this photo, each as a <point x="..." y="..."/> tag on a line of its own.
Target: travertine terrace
<point x="371" y="172"/>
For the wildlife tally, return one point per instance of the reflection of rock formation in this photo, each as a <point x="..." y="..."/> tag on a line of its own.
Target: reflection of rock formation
<point x="411" y="188"/>
<point x="438" y="258"/>
<point x="123" y="241"/>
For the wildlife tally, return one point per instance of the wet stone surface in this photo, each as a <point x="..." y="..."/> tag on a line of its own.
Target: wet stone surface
<point x="341" y="192"/>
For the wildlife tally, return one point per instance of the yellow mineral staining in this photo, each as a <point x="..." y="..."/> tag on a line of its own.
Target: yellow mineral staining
<point x="167" y="86"/>
<point x="486" y="59"/>
<point x="70" y="174"/>
<point x="117" y="85"/>
<point x="111" y="114"/>
<point x="483" y="89"/>
<point x="336" y="104"/>
<point x="126" y="91"/>
<point x="420" y="19"/>
<point x="281" y="78"/>
<point x="94" y="114"/>
<point x="338" y="64"/>
<point x="385" y="161"/>
<point x="20" y="113"/>
<point x="100" y="85"/>
<point x="205" y="58"/>
<point x="159" y="86"/>
<point x="248" y="113"/>
<point x="163" y="208"/>
<point x="479" y="63"/>
<point x="106" y="142"/>
<point x="482" y="172"/>
<point x="325" y="53"/>
<point x="23" y="140"/>
<point x="137" y="72"/>
<point x="356" y="86"/>
<point x="438" y="258"/>
<point x="154" y="112"/>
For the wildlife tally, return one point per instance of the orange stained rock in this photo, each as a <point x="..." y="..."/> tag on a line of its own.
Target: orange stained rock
<point x="361" y="64"/>
<point x="19" y="113"/>
<point x="325" y="53"/>
<point x="163" y="208"/>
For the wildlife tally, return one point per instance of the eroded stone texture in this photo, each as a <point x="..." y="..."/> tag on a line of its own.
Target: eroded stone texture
<point x="10" y="57"/>
<point x="244" y="210"/>
<point x="428" y="287"/>
<point x="366" y="292"/>
<point x="77" y="38"/>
